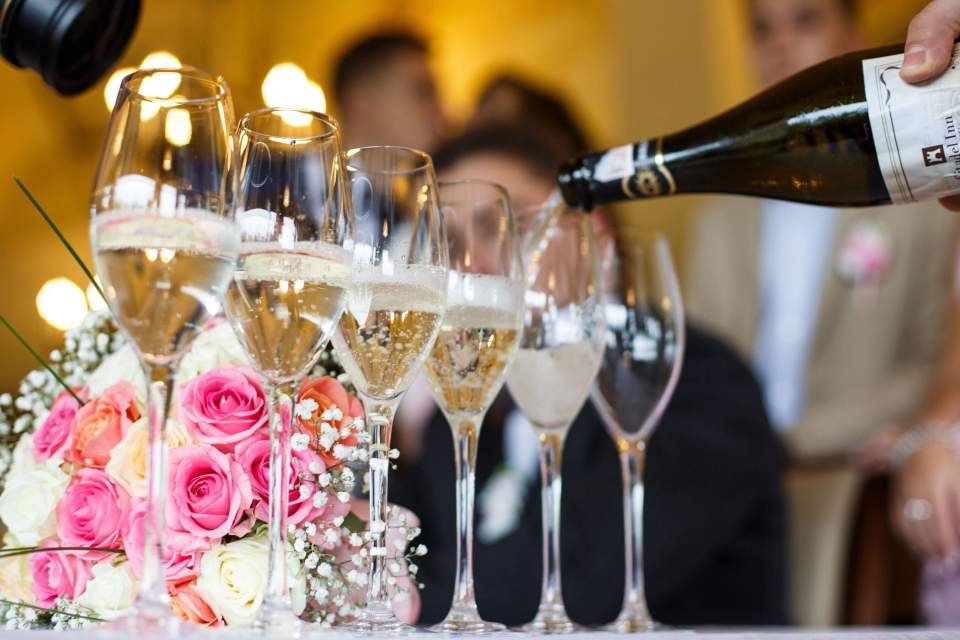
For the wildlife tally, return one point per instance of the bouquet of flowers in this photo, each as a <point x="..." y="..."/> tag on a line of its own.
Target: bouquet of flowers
<point x="73" y="454"/>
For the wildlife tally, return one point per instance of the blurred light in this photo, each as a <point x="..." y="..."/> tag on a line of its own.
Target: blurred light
<point x="160" y="85"/>
<point x="287" y="85"/>
<point x="61" y="303"/>
<point x="94" y="300"/>
<point x="178" y="129"/>
<point x="112" y="88"/>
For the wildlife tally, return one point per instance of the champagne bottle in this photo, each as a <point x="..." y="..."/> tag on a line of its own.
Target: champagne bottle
<point x="846" y="132"/>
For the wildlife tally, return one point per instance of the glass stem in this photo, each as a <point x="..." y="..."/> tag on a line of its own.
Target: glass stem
<point x="466" y="432"/>
<point x="551" y="450"/>
<point x="277" y="597"/>
<point x="153" y="585"/>
<point x="632" y="462"/>
<point x="379" y="418"/>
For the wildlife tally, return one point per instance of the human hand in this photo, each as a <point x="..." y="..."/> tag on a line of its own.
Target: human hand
<point x="873" y="457"/>
<point x="926" y="500"/>
<point x="929" y="49"/>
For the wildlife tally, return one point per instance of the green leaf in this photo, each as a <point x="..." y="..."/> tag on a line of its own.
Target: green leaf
<point x="37" y="357"/>
<point x="56" y="230"/>
<point x="51" y="610"/>
<point x="23" y="551"/>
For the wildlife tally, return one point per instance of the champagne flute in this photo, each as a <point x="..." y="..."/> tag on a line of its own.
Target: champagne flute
<point x="288" y="290"/>
<point x="554" y="369"/>
<point x="478" y="340"/>
<point x="394" y="310"/>
<point x="641" y="365"/>
<point x="164" y="243"/>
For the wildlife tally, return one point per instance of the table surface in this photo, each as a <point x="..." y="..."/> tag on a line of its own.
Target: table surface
<point x="904" y="633"/>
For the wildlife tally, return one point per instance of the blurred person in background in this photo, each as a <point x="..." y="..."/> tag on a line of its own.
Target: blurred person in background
<point x="715" y="548"/>
<point x="925" y="508"/>
<point x="506" y="103"/>
<point x="507" y="99"/>
<point x="386" y="93"/>
<point x="840" y="311"/>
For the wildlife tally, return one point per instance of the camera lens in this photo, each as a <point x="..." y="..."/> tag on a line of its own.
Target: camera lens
<point x="70" y="43"/>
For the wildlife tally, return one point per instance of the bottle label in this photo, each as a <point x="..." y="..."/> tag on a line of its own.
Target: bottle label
<point x="916" y="129"/>
<point x="635" y="170"/>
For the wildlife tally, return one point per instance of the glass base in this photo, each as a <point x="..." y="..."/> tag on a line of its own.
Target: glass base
<point x="635" y="621"/>
<point x="147" y="619"/>
<point x="466" y="621"/>
<point x="379" y="618"/>
<point x="278" y="622"/>
<point x="550" y="619"/>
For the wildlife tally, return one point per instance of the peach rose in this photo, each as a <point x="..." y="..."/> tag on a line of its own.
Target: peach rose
<point x="192" y="604"/>
<point x="101" y="424"/>
<point x="128" y="460"/>
<point x="330" y="397"/>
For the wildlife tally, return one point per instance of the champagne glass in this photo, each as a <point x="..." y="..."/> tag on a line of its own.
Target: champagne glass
<point x="394" y="310"/>
<point x="477" y="342"/>
<point x="641" y="365"/>
<point x="555" y="367"/>
<point x="289" y="289"/>
<point x="164" y="243"/>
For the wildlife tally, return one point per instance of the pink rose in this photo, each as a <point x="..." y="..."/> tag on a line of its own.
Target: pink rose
<point x="57" y="574"/>
<point x="224" y="406"/>
<point x="91" y="513"/>
<point x="192" y="604"/>
<point x="208" y="492"/>
<point x="52" y="436"/>
<point x="100" y="424"/>
<point x="254" y="457"/>
<point x="179" y="565"/>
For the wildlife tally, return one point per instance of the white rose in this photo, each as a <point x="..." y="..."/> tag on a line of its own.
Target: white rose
<point x="122" y="365"/>
<point x="128" y="459"/>
<point x="297" y="581"/>
<point x="234" y="576"/>
<point x="29" y="500"/>
<point x="212" y="349"/>
<point x="16" y="584"/>
<point x="111" y="591"/>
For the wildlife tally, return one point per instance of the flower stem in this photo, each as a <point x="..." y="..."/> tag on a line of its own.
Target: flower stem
<point x="46" y="610"/>
<point x="37" y="357"/>
<point x="56" y="230"/>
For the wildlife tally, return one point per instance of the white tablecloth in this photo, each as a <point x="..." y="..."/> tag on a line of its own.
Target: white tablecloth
<point x="702" y="634"/>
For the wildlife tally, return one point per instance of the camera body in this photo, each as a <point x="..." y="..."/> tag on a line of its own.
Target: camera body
<point x="70" y="43"/>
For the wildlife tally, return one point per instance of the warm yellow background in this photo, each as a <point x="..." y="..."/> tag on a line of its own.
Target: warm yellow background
<point x="630" y="68"/>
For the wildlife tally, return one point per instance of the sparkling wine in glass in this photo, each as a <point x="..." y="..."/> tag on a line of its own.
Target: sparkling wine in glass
<point x="164" y="243"/>
<point x="394" y="311"/>
<point x="288" y="290"/>
<point x="642" y="356"/>
<point x="550" y="380"/>
<point x="478" y="340"/>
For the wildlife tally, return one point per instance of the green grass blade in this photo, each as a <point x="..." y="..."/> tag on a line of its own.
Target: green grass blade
<point x="37" y="357"/>
<point x="56" y="230"/>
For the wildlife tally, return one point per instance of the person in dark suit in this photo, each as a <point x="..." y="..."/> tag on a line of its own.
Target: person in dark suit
<point x="714" y="519"/>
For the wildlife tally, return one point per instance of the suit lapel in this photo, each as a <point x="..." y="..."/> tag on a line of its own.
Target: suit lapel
<point x="833" y="291"/>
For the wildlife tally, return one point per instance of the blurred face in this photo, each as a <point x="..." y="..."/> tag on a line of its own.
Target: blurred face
<point x="398" y="105"/>
<point x="791" y="35"/>
<point x="525" y="189"/>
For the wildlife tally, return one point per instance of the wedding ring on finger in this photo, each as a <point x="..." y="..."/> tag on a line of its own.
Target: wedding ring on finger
<point x="917" y="510"/>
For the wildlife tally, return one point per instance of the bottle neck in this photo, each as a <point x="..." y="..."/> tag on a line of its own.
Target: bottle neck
<point x="628" y="172"/>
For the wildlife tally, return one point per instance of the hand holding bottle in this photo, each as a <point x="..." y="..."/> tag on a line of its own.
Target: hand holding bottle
<point x="929" y="45"/>
<point x="929" y="49"/>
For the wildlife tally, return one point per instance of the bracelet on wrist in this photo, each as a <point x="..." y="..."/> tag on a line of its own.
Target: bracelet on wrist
<point x="919" y="435"/>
